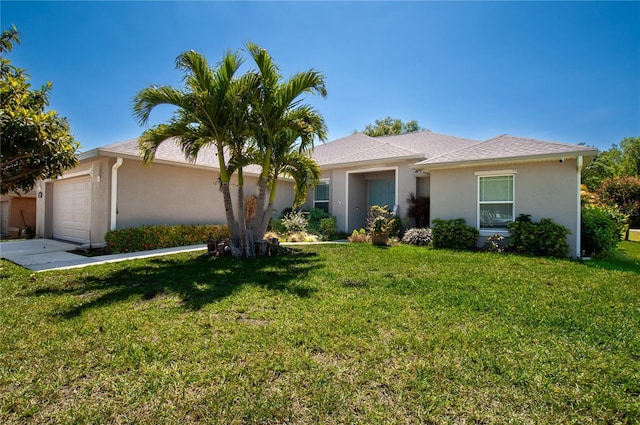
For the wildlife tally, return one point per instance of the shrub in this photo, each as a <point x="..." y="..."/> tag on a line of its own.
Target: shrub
<point x="294" y="222"/>
<point x="454" y="234"/>
<point x="418" y="236"/>
<point x="359" y="236"/>
<point x="315" y="217"/>
<point x="545" y="239"/>
<point x="602" y="229"/>
<point x="163" y="236"/>
<point x="328" y="227"/>
<point x="275" y="225"/>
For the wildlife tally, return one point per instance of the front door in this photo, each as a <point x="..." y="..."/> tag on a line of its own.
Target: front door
<point x="382" y="192"/>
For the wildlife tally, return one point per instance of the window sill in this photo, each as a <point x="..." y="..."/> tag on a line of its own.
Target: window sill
<point x="491" y="232"/>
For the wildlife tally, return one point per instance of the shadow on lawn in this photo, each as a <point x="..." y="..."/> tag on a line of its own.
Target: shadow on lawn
<point x="197" y="281"/>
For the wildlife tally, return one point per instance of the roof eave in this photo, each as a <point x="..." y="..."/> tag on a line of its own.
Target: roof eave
<point x="113" y="154"/>
<point x="508" y="160"/>
<point x="378" y="161"/>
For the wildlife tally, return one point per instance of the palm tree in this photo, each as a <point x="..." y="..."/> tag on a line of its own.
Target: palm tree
<point x="277" y="116"/>
<point x="210" y="112"/>
<point x="290" y="153"/>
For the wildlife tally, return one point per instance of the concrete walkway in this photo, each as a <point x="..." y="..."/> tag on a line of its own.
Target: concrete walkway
<point x="42" y="255"/>
<point x="45" y="254"/>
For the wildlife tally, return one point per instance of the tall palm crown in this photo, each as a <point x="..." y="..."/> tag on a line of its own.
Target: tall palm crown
<point x="209" y="112"/>
<point x="278" y="115"/>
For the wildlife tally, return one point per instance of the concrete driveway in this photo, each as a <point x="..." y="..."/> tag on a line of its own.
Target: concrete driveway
<point x="39" y="254"/>
<point x="46" y="254"/>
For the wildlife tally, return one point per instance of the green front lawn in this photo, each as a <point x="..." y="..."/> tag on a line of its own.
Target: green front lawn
<point x="337" y="334"/>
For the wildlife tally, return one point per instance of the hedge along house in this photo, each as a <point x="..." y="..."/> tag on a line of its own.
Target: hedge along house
<point x="112" y="189"/>
<point x="488" y="183"/>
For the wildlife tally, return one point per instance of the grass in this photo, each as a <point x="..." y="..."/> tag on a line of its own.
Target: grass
<point x="337" y="334"/>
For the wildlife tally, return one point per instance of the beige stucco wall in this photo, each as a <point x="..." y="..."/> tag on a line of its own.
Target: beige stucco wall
<point x="542" y="189"/>
<point x="146" y="195"/>
<point x="167" y="194"/>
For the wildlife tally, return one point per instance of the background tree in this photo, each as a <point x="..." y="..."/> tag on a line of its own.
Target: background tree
<point x="624" y="192"/>
<point x="36" y="144"/>
<point x="389" y="126"/>
<point x="631" y="156"/>
<point x="606" y="165"/>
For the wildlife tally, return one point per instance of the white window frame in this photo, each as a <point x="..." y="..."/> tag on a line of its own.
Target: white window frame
<point x="499" y="173"/>
<point x="328" y="200"/>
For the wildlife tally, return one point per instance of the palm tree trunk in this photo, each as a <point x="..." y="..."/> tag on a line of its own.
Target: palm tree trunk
<point x="262" y="196"/>
<point x="235" y="247"/>
<point x="266" y="218"/>
<point x="246" y="235"/>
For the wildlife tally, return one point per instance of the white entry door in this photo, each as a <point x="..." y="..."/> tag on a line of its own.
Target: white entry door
<point x="72" y="210"/>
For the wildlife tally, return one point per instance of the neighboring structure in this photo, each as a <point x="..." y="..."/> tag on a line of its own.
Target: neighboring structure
<point x="488" y="183"/>
<point x="17" y="211"/>
<point x="112" y="189"/>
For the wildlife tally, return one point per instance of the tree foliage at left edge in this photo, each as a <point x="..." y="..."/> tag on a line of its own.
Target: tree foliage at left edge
<point x="36" y="144"/>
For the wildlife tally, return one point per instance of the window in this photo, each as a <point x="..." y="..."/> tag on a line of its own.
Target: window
<point x="321" y="196"/>
<point x="495" y="201"/>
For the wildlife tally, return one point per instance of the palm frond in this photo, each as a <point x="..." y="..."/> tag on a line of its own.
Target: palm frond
<point x="305" y="173"/>
<point x="147" y="99"/>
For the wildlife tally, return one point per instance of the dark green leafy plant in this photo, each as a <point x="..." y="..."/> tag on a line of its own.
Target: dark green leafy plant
<point x="603" y="228"/>
<point x="454" y="234"/>
<point x="544" y="239"/>
<point x="328" y="227"/>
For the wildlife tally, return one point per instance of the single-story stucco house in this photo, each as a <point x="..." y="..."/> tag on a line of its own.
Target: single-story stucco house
<point x="488" y="183"/>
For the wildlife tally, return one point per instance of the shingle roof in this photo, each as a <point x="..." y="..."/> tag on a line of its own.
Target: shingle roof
<point x="505" y="148"/>
<point x="170" y="151"/>
<point x="362" y="148"/>
<point x="427" y="149"/>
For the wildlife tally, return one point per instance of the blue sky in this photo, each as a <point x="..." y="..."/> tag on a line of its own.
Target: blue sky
<point x="557" y="71"/>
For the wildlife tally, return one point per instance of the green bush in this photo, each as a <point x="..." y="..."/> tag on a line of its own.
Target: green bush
<point x="544" y="239"/>
<point x="314" y="217"/>
<point x="328" y="227"/>
<point x="454" y="234"/>
<point x="602" y="230"/>
<point x="418" y="236"/>
<point x="162" y="236"/>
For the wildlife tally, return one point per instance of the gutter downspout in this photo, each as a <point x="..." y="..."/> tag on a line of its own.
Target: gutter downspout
<point x="579" y="210"/>
<point x="114" y="193"/>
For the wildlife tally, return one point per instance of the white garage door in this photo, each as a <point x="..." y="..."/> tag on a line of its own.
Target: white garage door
<point x="72" y="209"/>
